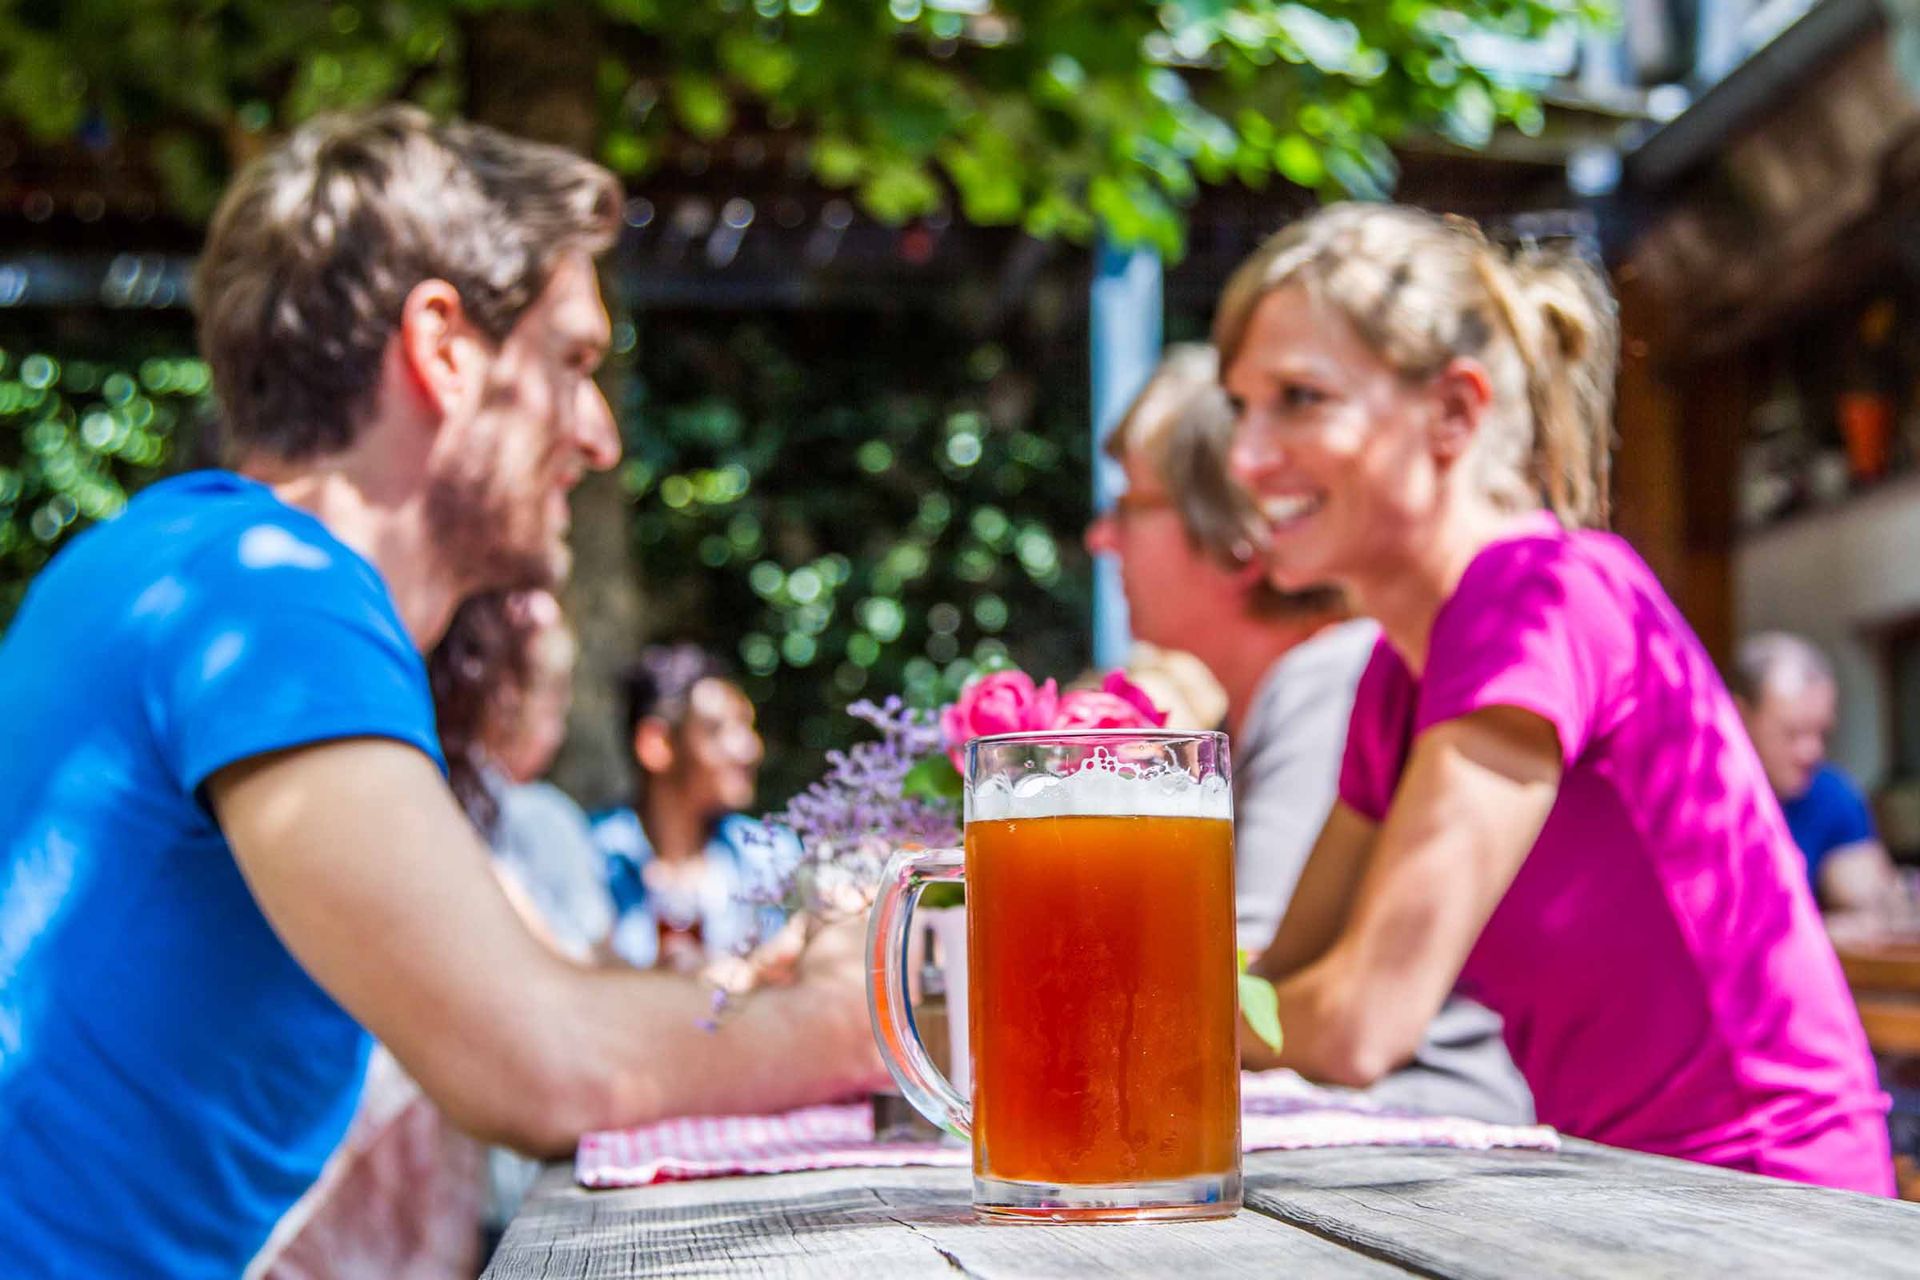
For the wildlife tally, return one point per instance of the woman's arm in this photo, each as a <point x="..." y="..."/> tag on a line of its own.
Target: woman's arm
<point x="1324" y="896"/>
<point x="1475" y="794"/>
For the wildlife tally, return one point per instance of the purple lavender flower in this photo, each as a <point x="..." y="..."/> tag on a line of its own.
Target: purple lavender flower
<point x="852" y="820"/>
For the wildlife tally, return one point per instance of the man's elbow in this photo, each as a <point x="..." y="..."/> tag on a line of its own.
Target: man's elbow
<point x="540" y="1134"/>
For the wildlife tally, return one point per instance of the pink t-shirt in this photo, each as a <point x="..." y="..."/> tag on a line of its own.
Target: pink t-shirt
<point x="1665" y="979"/>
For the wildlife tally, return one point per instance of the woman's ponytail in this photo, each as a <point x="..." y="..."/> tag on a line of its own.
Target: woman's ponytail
<point x="1566" y="330"/>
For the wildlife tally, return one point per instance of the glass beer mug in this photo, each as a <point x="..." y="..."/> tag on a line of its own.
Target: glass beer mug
<point x="1100" y="956"/>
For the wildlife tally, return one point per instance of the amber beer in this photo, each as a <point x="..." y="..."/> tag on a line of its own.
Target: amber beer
<point x="1100" y="962"/>
<point x="1102" y="1005"/>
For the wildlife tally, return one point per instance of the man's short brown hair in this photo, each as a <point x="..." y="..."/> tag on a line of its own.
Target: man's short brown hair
<point x="317" y="244"/>
<point x="1181" y="423"/>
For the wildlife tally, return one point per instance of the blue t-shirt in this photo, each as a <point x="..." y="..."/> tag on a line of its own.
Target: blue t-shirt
<point x="171" y="1080"/>
<point x="1831" y="814"/>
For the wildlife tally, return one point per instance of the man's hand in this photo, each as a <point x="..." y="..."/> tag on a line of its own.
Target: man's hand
<point x="774" y="963"/>
<point x="1859" y="880"/>
<point x="834" y="958"/>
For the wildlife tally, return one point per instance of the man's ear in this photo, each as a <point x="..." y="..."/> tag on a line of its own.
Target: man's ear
<point x="653" y="745"/>
<point x="1461" y="393"/>
<point x="437" y="347"/>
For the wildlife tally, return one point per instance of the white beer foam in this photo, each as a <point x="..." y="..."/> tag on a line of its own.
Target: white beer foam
<point x="1097" y="792"/>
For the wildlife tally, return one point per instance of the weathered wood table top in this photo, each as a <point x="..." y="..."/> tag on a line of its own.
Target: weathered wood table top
<point x="1358" y="1212"/>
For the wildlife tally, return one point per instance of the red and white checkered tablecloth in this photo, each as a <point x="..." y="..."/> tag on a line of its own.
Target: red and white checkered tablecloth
<point x="1279" y="1112"/>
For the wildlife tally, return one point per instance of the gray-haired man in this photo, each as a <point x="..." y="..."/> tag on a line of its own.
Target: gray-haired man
<point x="1788" y="699"/>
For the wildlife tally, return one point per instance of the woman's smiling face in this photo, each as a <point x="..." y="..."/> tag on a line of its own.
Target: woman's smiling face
<point x="1335" y="446"/>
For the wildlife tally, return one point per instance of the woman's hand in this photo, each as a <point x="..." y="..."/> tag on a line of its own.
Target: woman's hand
<point x="1256" y="1054"/>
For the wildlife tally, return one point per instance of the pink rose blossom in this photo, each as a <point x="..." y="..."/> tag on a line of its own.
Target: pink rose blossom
<point x="1093" y="709"/>
<point x="1004" y="702"/>
<point x="1119" y="686"/>
<point x="1098" y="709"/>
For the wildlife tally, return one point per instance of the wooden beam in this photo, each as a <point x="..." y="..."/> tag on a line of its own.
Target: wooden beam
<point x="1715" y="396"/>
<point x="1648" y="493"/>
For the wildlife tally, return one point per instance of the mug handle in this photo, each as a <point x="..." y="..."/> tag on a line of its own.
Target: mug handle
<point x="908" y="874"/>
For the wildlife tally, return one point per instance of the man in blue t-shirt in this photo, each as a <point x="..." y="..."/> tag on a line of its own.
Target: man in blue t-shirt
<point x="1787" y="696"/>
<point x="227" y="849"/>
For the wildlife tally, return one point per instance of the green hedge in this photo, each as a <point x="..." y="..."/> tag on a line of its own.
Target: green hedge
<point x="76" y="437"/>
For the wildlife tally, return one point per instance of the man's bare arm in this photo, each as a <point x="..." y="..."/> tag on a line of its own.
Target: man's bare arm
<point x="1859" y="877"/>
<point x="367" y="869"/>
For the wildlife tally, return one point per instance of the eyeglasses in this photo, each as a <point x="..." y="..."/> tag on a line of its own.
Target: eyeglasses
<point x="1131" y="504"/>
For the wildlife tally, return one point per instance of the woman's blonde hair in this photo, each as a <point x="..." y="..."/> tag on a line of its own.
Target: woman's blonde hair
<point x="1422" y="290"/>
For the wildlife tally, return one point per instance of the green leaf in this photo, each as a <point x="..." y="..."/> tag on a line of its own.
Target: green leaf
<point x="1260" y="1006"/>
<point x="35" y="69"/>
<point x="626" y="152"/>
<point x="702" y="105"/>
<point x="1299" y="160"/>
<point x="837" y="161"/>
<point x="762" y="64"/>
<point x="986" y="168"/>
<point x="897" y="189"/>
<point x="943" y="893"/>
<point x="933" y="779"/>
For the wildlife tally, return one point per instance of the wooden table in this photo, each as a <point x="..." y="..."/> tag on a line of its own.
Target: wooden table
<point x="1360" y="1212"/>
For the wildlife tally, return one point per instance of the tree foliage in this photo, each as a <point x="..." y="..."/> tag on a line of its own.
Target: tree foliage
<point x="837" y="534"/>
<point x="1065" y="117"/>
<point x="939" y="527"/>
<point x="75" y="437"/>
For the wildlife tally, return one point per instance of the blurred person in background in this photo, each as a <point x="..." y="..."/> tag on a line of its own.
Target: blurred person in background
<point x="1187" y="537"/>
<point x="690" y="871"/>
<point x="502" y="681"/>
<point x="1548" y="801"/>
<point x="231" y="859"/>
<point x="1785" y="689"/>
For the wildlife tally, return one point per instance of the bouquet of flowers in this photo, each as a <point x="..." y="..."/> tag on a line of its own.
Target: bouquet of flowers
<point x="905" y="789"/>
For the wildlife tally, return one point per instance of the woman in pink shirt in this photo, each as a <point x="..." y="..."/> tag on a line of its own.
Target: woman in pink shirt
<point x="1547" y="800"/>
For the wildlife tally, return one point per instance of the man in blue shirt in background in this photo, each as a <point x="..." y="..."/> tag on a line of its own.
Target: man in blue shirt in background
<point x="227" y="849"/>
<point x="1787" y="696"/>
